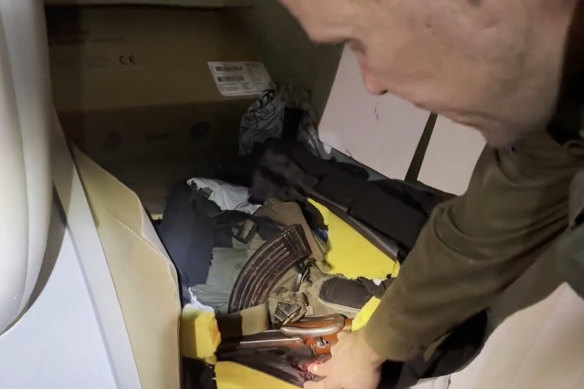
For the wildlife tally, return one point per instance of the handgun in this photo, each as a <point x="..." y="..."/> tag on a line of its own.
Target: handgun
<point x="317" y="333"/>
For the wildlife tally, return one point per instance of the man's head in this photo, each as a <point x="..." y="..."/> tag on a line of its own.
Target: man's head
<point x="495" y="65"/>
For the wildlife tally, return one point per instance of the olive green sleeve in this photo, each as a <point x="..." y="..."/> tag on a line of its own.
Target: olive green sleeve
<point x="475" y="245"/>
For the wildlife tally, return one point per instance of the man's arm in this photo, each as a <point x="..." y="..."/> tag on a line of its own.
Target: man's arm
<point x="475" y="245"/>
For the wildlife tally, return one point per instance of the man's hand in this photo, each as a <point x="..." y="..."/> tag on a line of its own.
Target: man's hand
<point x="353" y="365"/>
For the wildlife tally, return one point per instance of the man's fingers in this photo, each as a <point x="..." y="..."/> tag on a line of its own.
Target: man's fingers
<point x="340" y="337"/>
<point x="342" y="334"/>
<point x="320" y="369"/>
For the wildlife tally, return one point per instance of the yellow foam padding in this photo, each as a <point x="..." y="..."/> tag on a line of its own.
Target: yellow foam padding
<point x="350" y="254"/>
<point x="199" y="334"/>
<point x="231" y="375"/>
<point x="365" y="314"/>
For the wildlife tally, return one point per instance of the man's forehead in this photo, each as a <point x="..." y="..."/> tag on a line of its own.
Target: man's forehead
<point x="349" y="10"/>
<point x="320" y="14"/>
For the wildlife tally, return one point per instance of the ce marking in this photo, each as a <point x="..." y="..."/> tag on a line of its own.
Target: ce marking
<point x="127" y="60"/>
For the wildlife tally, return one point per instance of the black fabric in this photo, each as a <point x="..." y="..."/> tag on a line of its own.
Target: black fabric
<point x="313" y="217"/>
<point x="197" y="375"/>
<point x="228" y="221"/>
<point x="566" y="123"/>
<point x="455" y="352"/>
<point x="349" y="293"/>
<point x="291" y="126"/>
<point x="352" y="293"/>
<point x="225" y="222"/>
<point x="417" y="195"/>
<point x="373" y="289"/>
<point x="186" y="232"/>
<point x="278" y="176"/>
<point x="289" y="365"/>
<point x="382" y="210"/>
<point x="579" y="219"/>
<point x="267" y="228"/>
<point x="390" y="210"/>
<point x="383" y="242"/>
<point x="193" y="225"/>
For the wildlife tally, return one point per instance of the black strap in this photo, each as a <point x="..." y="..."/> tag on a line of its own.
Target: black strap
<point x="418" y="158"/>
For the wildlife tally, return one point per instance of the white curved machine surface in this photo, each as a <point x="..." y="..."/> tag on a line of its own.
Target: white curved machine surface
<point x="57" y="344"/>
<point x="25" y="118"/>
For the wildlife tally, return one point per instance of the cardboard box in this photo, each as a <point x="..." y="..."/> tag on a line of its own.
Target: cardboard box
<point x="135" y="91"/>
<point x="134" y="83"/>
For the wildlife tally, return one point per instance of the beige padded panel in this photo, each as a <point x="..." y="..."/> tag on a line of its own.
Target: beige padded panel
<point x="144" y="278"/>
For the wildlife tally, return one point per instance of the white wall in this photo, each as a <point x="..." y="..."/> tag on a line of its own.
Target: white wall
<point x="57" y="344"/>
<point x="381" y="132"/>
<point x="451" y="156"/>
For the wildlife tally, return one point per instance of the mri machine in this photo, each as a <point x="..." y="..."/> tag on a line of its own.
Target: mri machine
<point x="59" y="327"/>
<point x="25" y="169"/>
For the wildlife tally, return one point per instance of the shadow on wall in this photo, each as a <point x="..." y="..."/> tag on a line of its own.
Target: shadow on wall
<point x="54" y="243"/>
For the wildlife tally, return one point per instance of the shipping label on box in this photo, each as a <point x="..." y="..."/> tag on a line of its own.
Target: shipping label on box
<point x="240" y="78"/>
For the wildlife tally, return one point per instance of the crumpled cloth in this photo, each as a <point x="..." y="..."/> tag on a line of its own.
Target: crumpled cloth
<point x="265" y="120"/>
<point x="227" y="196"/>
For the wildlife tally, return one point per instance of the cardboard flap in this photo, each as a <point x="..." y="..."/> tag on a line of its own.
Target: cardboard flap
<point x="100" y="186"/>
<point x="144" y="277"/>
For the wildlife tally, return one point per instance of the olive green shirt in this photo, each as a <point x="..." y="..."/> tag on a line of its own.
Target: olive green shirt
<point x="476" y="245"/>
